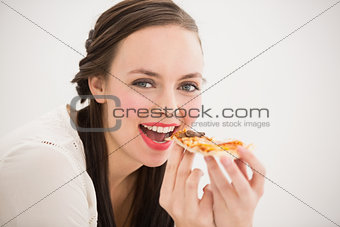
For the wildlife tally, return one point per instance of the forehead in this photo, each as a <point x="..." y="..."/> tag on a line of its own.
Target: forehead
<point x="164" y="49"/>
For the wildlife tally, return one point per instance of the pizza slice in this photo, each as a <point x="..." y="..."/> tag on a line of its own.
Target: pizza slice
<point x="197" y="142"/>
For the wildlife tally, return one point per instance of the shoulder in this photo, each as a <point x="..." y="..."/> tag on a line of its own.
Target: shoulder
<point x="38" y="160"/>
<point x="45" y="174"/>
<point x="51" y="131"/>
<point x="42" y="184"/>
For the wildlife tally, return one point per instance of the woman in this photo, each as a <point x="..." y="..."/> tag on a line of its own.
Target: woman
<point x="149" y="55"/>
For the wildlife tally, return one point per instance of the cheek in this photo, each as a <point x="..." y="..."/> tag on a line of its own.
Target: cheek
<point x="134" y="101"/>
<point x="193" y="109"/>
<point x="130" y="102"/>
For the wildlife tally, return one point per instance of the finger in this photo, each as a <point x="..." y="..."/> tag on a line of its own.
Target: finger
<point x="259" y="172"/>
<point x="206" y="202"/>
<point x="191" y="186"/>
<point x="243" y="167"/>
<point x="240" y="183"/>
<point x="184" y="170"/>
<point x="219" y="203"/>
<point x="218" y="179"/>
<point x="169" y="179"/>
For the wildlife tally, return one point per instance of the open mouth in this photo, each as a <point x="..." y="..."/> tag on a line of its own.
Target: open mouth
<point x="157" y="133"/>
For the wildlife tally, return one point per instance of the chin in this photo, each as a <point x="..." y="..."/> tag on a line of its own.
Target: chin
<point x="153" y="163"/>
<point x="155" y="159"/>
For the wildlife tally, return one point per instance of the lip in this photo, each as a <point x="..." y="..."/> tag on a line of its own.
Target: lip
<point x="154" y="145"/>
<point x="159" y="124"/>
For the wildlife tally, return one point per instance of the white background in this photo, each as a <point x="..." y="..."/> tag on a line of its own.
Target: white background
<point x="297" y="80"/>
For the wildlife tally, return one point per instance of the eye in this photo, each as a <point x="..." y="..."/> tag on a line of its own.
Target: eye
<point x="189" y="87"/>
<point x="143" y="83"/>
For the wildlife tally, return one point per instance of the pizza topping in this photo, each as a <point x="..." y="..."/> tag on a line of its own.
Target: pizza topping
<point x="234" y="142"/>
<point x="200" y="143"/>
<point x="190" y="133"/>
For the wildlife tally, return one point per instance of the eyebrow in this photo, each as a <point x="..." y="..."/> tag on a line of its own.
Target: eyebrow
<point x="154" y="74"/>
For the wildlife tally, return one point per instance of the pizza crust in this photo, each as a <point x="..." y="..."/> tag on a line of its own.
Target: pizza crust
<point x="231" y="152"/>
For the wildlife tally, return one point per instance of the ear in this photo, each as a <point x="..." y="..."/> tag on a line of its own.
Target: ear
<point x="97" y="87"/>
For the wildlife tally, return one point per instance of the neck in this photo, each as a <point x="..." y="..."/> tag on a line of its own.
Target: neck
<point x="122" y="168"/>
<point x="122" y="175"/>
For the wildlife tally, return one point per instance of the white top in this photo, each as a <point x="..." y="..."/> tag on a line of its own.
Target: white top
<point x="43" y="178"/>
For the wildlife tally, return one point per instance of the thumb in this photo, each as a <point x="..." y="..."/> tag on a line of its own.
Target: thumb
<point x="206" y="203"/>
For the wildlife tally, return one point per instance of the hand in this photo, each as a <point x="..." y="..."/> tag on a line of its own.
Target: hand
<point x="178" y="194"/>
<point x="235" y="202"/>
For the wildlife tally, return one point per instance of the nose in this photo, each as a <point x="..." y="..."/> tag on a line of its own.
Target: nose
<point x="168" y="104"/>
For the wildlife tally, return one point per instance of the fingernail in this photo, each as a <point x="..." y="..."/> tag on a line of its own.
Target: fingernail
<point x="240" y="149"/>
<point x="202" y="173"/>
<point x="226" y="161"/>
<point x="207" y="187"/>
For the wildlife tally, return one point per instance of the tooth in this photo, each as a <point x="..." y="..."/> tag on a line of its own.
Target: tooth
<point x="150" y="127"/>
<point x="160" y="129"/>
<point x="154" y="128"/>
<point x="172" y="128"/>
<point x="165" y="129"/>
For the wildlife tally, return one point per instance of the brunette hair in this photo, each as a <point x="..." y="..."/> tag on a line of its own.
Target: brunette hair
<point x="113" y="26"/>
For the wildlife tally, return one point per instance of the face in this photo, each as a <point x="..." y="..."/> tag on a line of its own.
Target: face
<point x="163" y="67"/>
